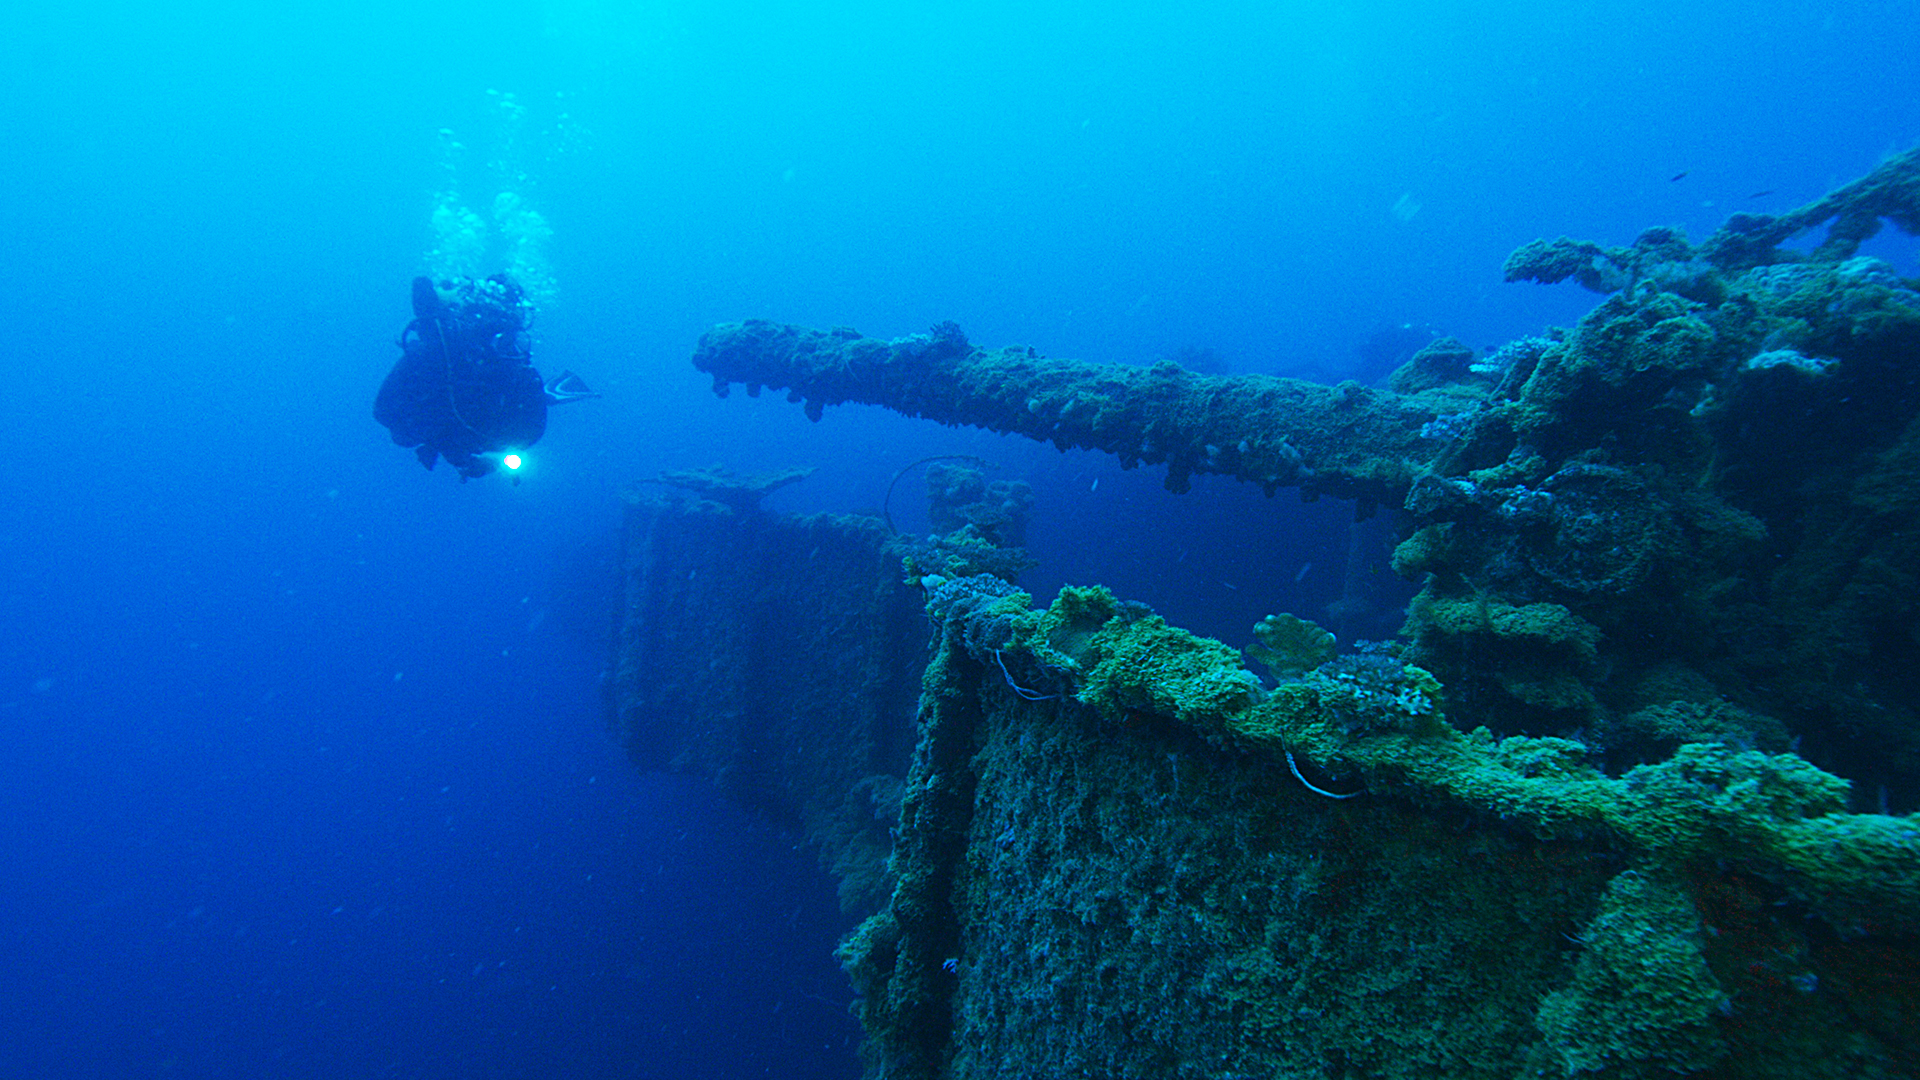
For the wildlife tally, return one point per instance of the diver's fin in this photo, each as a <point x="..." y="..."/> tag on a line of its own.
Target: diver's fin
<point x="566" y="387"/>
<point x="426" y="299"/>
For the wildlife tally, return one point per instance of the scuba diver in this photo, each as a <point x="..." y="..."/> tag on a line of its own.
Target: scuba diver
<point x="465" y="388"/>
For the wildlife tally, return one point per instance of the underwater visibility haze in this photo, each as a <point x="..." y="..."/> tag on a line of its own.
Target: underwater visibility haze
<point x="309" y="769"/>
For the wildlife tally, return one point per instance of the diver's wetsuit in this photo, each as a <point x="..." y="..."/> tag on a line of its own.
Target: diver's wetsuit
<point x="464" y="385"/>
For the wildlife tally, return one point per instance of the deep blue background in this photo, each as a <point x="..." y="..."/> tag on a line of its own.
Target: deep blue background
<point x="302" y="770"/>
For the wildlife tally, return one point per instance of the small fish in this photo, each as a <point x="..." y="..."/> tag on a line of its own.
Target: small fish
<point x="1761" y="194"/>
<point x="1681" y="175"/>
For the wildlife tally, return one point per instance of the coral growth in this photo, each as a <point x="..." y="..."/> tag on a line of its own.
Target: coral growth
<point x="1125" y="852"/>
<point x="1289" y="646"/>
<point x="1669" y="568"/>
<point x="1642" y="1001"/>
<point x="961" y="498"/>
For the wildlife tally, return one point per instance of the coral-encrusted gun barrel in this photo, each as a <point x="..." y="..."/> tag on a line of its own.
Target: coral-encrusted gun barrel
<point x="1344" y="440"/>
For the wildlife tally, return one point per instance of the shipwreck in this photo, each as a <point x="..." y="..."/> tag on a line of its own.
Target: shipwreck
<point x="1631" y="794"/>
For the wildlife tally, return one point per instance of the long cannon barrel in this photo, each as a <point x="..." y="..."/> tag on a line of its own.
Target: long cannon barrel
<point x="1346" y="440"/>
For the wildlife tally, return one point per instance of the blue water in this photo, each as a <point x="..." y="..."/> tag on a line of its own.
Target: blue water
<point x="304" y="771"/>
